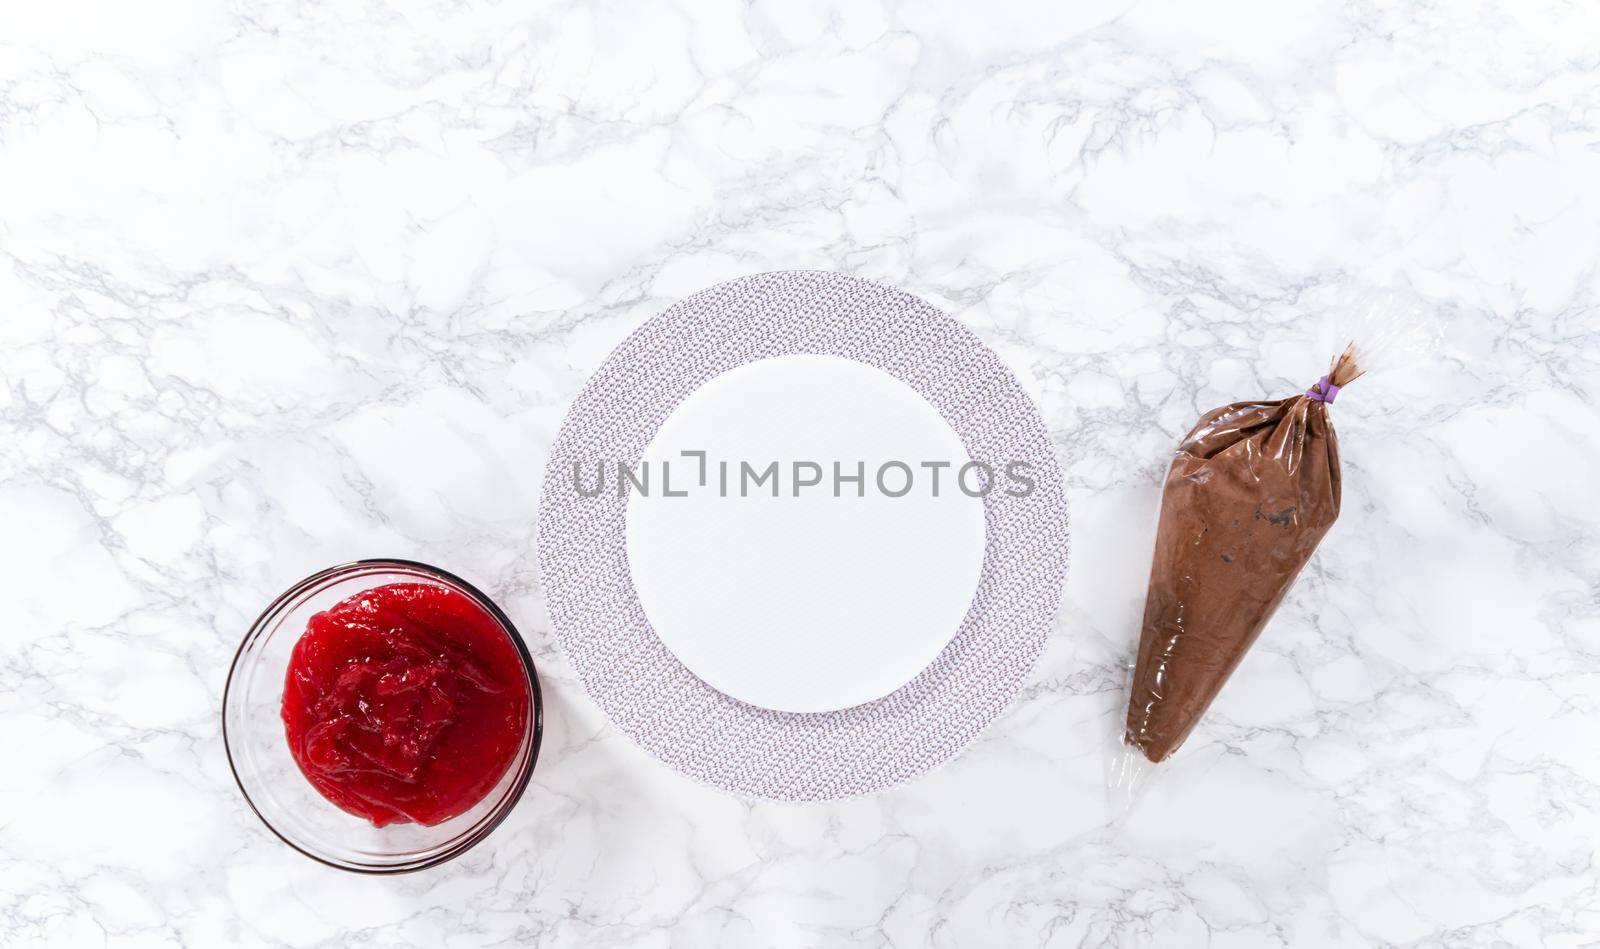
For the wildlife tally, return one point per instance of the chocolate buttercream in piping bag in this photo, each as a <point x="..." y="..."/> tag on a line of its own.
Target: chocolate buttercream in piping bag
<point x="1250" y="493"/>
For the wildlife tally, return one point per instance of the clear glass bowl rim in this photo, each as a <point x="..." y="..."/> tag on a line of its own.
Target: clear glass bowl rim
<point x="513" y="795"/>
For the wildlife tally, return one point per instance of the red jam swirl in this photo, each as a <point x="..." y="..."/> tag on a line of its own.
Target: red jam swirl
<point x="405" y="702"/>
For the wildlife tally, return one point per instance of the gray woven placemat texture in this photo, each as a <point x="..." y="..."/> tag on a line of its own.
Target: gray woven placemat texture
<point x="659" y="703"/>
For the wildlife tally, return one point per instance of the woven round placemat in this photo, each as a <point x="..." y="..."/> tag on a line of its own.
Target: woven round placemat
<point x="659" y="703"/>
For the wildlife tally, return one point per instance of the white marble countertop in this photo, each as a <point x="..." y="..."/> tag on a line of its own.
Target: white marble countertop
<point x="283" y="285"/>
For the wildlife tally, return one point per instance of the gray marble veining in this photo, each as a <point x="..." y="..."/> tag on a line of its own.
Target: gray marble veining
<point x="283" y="285"/>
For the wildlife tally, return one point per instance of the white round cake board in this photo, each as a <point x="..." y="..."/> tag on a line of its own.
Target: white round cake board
<point x="796" y="596"/>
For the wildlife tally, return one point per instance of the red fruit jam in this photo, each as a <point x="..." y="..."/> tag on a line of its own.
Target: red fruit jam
<point x="406" y="702"/>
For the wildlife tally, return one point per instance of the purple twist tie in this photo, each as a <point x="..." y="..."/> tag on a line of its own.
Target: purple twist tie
<point x="1323" y="391"/>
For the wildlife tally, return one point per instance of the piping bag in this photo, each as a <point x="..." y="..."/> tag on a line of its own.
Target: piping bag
<point x="1251" y="491"/>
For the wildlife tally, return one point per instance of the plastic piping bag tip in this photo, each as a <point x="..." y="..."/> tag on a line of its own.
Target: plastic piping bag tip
<point x="1127" y="771"/>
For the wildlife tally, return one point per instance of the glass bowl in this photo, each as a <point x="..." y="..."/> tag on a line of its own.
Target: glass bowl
<point x="258" y="752"/>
